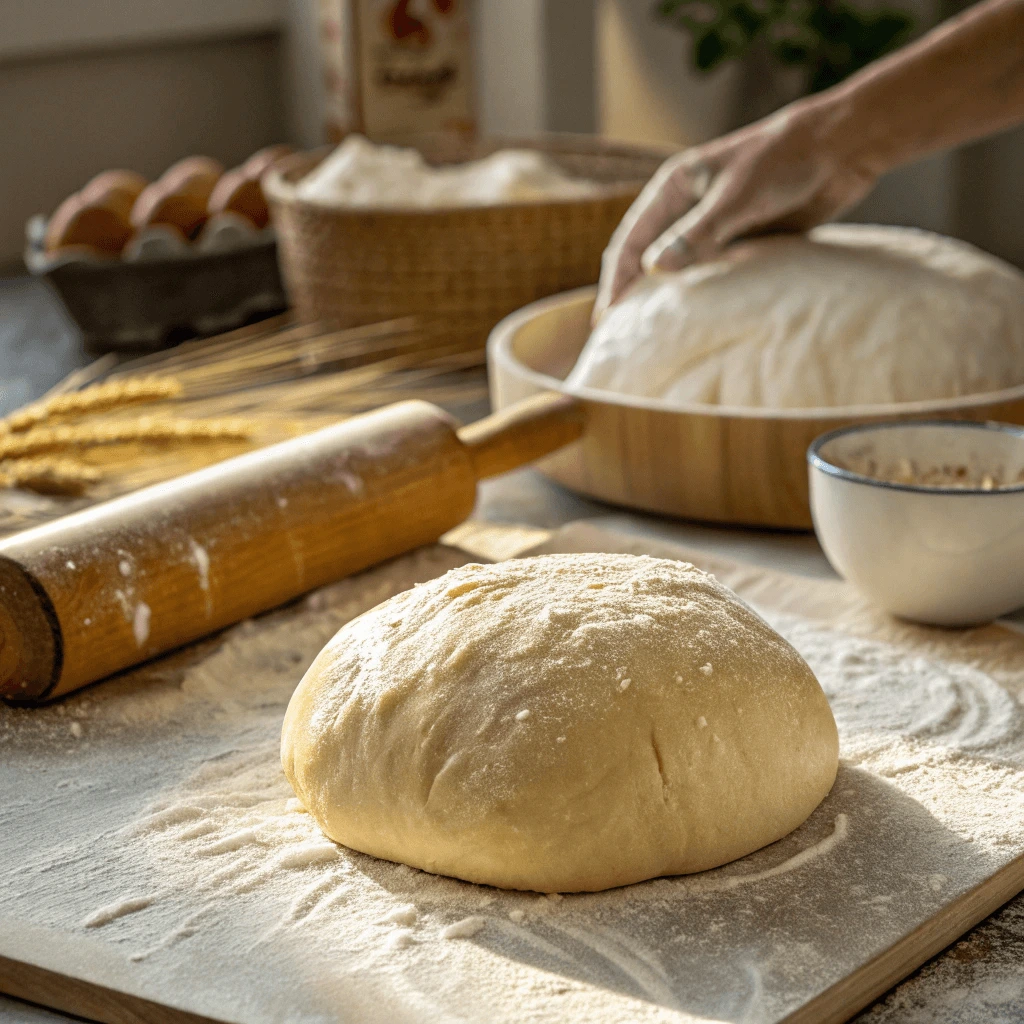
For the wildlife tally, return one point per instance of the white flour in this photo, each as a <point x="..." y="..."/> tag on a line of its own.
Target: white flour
<point x="360" y="174"/>
<point x="227" y="868"/>
<point x="979" y="981"/>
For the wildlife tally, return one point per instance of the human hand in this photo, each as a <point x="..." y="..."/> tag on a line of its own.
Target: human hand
<point x="788" y="172"/>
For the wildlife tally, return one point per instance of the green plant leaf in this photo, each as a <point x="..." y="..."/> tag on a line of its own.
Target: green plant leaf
<point x="791" y="53"/>
<point x="709" y="50"/>
<point x="887" y="31"/>
<point x="824" y="22"/>
<point x="748" y="20"/>
<point x="830" y="38"/>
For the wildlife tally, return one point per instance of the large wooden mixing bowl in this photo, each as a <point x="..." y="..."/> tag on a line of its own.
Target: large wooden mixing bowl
<point x="720" y="464"/>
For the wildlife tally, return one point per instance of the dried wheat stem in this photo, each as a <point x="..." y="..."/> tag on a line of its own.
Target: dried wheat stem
<point x="92" y="399"/>
<point x="289" y="343"/>
<point x="48" y="475"/>
<point x="145" y="429"/>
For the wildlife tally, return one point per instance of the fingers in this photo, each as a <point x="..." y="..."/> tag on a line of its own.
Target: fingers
<point x="665" y="198"/>
<point x="736" y="205"/>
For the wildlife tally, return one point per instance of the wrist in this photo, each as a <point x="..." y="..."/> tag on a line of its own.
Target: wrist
<point x="838" y="126"/>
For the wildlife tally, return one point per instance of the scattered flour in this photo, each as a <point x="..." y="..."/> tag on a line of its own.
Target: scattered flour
<point x="140" y="622"/>
<point x="117" y="910"/>
<point x="406" y="916"/>
<point x="713" y="882"/>
<point x="400" y="938"/>
<point x="464" y="929"/>
<point x="980" y="979"/>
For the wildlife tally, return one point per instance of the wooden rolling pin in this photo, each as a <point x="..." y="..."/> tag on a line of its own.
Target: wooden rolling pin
<point x="102" y="589"/>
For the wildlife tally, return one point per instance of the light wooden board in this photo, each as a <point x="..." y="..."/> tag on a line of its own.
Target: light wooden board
<point x="802" y="945"/>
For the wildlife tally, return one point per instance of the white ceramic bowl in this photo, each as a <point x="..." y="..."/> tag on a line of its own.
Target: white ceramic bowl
<point x="948" y="556"/>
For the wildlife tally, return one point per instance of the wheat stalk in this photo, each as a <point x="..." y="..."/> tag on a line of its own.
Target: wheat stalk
<point x="228" y="394"/>
<point x="64" y="477"/>
<point x="146" y="429"/>
<point x="90" y="400"/>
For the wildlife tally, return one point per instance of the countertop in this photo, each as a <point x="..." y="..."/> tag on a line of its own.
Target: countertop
<point x="978" y="980"/>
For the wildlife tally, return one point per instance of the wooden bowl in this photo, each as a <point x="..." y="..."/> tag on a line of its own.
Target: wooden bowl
<point x="726" y="465"/>
<point x="466" y="267"/>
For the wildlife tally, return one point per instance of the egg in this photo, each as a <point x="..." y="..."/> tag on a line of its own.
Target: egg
<point x="101" y="225"/>
<point x="126" y="183"/>
<point x="115" y="200"/>
<point x="179" y="196"/>
<point x="192" y="167"/>
<point x="239" y="190"/>
<point x="263" y="159"/>
<point x="236" y="193"/>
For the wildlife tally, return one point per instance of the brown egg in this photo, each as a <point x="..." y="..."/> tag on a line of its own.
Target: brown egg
<point x="102" y="226"/>
<point x="126" y="182"/>
<point x="179" y="196"/>
<point x="237" y="193"/>
<point x="192" y="166"/>
<point x="263" y="159"/>
<point x="239" y="190"/>
<point x="114" y="199"/>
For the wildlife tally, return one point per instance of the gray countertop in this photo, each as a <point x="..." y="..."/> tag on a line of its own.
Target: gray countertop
<point x="978" y="980"/>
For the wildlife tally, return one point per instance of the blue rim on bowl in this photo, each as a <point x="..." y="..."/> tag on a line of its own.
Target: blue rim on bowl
<point x="815" y="459"/>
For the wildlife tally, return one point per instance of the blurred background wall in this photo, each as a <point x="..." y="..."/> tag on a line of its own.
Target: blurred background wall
<point x="139" y="83"/>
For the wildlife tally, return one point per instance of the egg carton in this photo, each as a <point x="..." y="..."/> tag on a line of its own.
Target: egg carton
<point x="164" y="288"/>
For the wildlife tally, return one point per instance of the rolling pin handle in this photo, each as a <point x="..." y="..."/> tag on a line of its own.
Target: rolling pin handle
<point x="515" y="436"/>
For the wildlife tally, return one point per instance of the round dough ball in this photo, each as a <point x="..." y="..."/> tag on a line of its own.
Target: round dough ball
<point x="850" y="314"/>
<point x="562" y="723"/>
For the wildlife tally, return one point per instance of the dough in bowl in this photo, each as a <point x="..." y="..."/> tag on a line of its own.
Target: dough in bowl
<point x="849" y="314"/>
<point x="561" y="723"/>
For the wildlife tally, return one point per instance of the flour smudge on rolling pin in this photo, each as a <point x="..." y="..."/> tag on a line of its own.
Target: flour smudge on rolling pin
<point x="141" y="618"/>
<point x="201" y="560"/>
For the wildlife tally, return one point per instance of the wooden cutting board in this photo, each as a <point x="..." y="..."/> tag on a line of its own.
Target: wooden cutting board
<point x="155" y="871"/>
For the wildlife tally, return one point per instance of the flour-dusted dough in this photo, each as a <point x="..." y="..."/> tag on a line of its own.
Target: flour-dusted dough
<point x="850" y="314"/>
<point x="561" y="723"/>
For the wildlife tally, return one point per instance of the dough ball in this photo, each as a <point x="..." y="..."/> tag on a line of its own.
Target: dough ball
<point x="850" y="314"/>
<point x="561" y="723"/>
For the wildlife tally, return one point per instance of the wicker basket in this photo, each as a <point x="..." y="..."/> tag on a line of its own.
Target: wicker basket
<point x="464" y="268"/>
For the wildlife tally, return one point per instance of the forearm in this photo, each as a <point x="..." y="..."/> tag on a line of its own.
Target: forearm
<point x="960" y="82"/>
